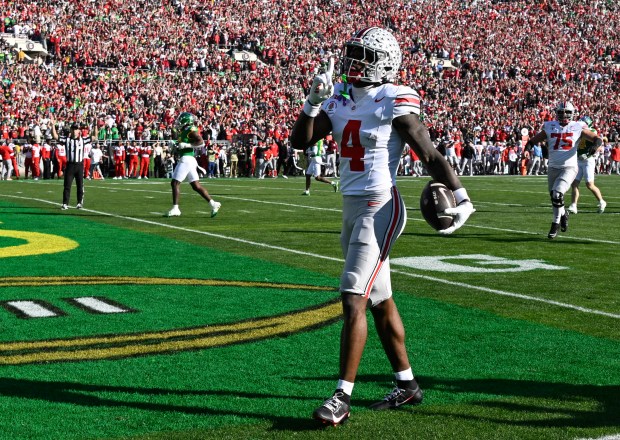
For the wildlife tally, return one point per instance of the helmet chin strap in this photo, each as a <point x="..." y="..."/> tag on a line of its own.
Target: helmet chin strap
<point x="358" y="81"/>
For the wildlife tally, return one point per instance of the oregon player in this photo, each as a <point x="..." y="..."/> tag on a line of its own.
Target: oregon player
<point x="586" y="155"/>
<point x="188" y="139"/>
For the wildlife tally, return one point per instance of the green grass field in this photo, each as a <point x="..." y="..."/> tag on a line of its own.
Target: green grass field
<point x="120" y="323"/>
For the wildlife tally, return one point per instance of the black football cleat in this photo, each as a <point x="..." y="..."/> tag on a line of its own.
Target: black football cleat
<point x="564" y="222"/>
<point x="553" y="232"/>
<point x="334" y="411"/>
<point x="399" y="397"/>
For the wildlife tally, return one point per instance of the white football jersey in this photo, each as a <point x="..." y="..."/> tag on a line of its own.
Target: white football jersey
<point x="87" y="149"/>
<point x="562" y="142"/>
<point x="370" y="149"/>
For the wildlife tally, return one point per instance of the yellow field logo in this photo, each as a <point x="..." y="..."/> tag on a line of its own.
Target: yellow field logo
<point x="144" y="343"/>
<point x="36" y="243"/>
<point x="164" y="341"/>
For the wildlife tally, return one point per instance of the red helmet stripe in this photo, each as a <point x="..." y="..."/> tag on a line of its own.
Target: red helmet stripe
<point x="360" y="34"/>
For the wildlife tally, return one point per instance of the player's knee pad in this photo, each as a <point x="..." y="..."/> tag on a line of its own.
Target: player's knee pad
<point x="557" y="199"/>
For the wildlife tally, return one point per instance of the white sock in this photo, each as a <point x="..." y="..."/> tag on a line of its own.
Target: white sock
<point x="345" y="386"/>
<point x="404" y="375"/>
<point x="175" y="207"/>
<point x="212" y="203"/>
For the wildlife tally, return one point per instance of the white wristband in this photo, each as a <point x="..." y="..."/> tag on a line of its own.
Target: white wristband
<point x="311" y="110"/>
<point x="460" y="195"/>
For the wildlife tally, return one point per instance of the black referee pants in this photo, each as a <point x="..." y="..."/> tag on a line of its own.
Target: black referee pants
<point x="74" y="170"/>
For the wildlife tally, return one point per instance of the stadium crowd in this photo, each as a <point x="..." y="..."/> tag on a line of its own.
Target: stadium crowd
<point x="486" y="69"/>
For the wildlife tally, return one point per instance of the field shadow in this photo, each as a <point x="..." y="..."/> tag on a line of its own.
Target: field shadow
<point x="606" y="414"/>
<point x="516" y="239"/>
<point x="80" y="394"/>
<point x="526" y="414"/>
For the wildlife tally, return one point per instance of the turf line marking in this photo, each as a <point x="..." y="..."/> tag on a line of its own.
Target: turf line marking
<point x="606" y="437"/>
<point x="469" y="225"/>
<point x="510" y="294"/>
<point x="513" y="231"/>
<point x="340" y="260"/>
<point x="194" y="231"/>
<point x="265" y="202"/>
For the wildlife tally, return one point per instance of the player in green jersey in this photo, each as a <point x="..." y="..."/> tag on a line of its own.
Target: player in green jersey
<point x="188" y="139"/>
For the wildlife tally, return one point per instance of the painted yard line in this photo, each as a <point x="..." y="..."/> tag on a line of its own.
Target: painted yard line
<point x="511" y="294"/>
<point x="225" y="185"/>
<point x="340" y="260"/>
<point x="179" y="228"/>
<point x="564" y="237"/>
<point x="543" y="191"/>
<point x="606" y="437"/>
<point x="469" y="225"/>
<point x="219" y="196"/>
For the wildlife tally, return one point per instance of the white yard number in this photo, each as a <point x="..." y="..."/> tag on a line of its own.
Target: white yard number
<point x="472" y="263"/>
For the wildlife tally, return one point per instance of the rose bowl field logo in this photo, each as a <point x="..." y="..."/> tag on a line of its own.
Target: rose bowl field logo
<point x="96" y="317"/>
<point x="143" y="343"/>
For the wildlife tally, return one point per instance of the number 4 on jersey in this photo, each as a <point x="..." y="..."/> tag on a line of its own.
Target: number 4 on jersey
<point x="354" y="151"/>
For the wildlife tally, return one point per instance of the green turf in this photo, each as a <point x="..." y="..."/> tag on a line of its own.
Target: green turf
<point x="492" y="366"/>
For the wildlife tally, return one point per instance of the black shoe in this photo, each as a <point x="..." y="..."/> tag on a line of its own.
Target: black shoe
<point x="564" y="222"/>
<point x="399" y="397"/>
<point x="553" y="232"/>
<point x="334" y="410"/>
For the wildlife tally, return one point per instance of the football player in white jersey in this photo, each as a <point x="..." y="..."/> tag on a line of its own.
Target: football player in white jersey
<point x="371" y="119"/>
<point x="586" y="162"/>
<point x="561" y="136"/>
<point x="315" y="162"/>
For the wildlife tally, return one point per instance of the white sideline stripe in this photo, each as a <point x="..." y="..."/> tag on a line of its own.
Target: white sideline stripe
<point x="316" y="208"/>
<point x="469" y="225"/>
<point x="513" y="295"/>
<point x="567" y="237"/>
<point x="606" y="437"/>
<point x="31" y="309"/>
<point x="324" y="257"/>
<point x="97" y="305"/>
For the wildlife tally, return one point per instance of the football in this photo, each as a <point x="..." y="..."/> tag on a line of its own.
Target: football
<point x="435" y="198"/>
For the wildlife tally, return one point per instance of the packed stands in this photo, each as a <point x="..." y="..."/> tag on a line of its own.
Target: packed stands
<point x="493" y="67"/>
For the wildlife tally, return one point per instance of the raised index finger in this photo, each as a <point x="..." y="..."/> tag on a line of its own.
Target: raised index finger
<point x="330" y="68"/>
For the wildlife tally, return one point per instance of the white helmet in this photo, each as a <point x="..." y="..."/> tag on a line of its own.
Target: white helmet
<point x="381" y="56"/>
<point x="565" y="111"/>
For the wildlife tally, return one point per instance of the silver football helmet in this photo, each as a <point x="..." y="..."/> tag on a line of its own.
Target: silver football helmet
<point x="372" y="55"/>
<point x="565" y="112"/>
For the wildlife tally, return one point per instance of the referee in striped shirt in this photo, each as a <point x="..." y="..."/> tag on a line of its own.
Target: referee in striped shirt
<point x="74" y="144"/>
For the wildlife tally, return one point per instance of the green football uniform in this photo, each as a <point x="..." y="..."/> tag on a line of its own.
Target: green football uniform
<point x="185" y="147"/>
<point x="584" y="146"/>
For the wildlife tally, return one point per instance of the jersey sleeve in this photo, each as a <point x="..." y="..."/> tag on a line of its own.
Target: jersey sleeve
<point x="406" y="101"/>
